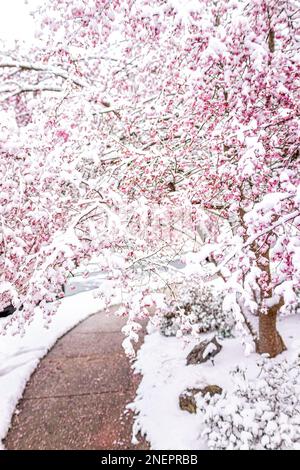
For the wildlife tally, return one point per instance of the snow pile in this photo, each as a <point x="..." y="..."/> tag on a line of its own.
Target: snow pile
<point x="268" y="394"/>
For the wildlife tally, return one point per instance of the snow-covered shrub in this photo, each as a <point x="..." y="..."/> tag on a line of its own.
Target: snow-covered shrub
<point x="294" y="308"/>
<point x="197" y="308"/>
<point x="261" y="414"/>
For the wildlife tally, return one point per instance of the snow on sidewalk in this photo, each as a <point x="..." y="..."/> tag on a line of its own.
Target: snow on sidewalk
<point x="77" y="396"/>
<point x="20" y="355"/>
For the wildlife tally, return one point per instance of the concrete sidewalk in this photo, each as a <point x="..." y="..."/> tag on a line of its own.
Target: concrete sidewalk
<point x="77" y="396"/>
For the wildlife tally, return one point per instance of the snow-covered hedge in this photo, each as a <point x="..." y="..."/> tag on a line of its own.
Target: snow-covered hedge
<point x="261" y="414"/>
<point x="294" y="308"/>
<point x="197" y="308"/>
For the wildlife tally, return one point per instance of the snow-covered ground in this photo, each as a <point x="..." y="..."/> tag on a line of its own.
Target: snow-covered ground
<point x="162" y="362"/>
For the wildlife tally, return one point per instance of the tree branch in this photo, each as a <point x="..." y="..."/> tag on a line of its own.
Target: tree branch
<point x="252" y="239"/>
<point x="43" y="68"/>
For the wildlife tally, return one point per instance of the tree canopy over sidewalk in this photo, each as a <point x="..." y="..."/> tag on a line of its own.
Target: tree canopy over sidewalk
<point x="126" y="115"/>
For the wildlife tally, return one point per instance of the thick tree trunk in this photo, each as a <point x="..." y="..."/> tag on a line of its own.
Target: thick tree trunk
<point x="269" y="341"/>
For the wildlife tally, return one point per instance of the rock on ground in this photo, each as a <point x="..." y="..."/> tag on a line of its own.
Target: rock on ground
<point x="204" y="351"/>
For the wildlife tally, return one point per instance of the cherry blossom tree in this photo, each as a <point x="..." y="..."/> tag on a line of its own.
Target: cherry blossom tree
<point x="131" y="111"/>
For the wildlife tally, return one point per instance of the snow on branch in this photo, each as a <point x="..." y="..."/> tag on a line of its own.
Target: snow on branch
<point x="43" y="68"/>
<point x="255" y="237"/>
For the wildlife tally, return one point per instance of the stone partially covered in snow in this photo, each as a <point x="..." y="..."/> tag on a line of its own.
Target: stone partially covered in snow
<point x="204" y="351"/>
<point x="211" y="390"/>
<point x="188" y="398"/>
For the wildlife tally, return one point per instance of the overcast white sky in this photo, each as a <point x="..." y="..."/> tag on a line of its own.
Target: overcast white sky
<point x="15" y="21"/>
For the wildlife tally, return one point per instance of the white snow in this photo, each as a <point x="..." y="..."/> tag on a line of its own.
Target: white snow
<point x="15" y="20"/>
<point x="210" y="348"/>
<point x="162" y="363"/>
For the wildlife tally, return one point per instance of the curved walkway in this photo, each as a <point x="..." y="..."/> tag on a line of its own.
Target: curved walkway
<point x="77" y="396"/>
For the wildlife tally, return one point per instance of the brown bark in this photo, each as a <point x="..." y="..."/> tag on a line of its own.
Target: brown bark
<point x="271" y="40"/>
<point x="270" y="342"/>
